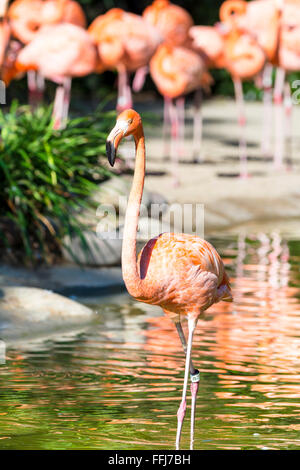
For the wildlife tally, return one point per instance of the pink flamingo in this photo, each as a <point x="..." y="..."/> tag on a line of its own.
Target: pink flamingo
<point x="173" y="22"/>
<point x="125" y="42"/>
<point x="181" y="273"/>
<point x="59" y="52"/>
<point x="288" y="61"/>
<point x="28" y="16"/>
<point x="209" y="43"/>
<point x="176" y="71"/>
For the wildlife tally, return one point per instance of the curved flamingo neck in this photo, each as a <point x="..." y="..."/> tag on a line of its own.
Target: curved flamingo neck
<point x="130" y="271"/>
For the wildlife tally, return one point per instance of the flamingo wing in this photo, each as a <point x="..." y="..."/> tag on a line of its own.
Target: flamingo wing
<point x="182" y="272"/>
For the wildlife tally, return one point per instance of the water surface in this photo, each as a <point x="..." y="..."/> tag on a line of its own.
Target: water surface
<point x="116" y="384"/>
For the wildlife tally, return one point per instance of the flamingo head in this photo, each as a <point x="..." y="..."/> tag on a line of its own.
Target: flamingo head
<point x="128" y="123"/>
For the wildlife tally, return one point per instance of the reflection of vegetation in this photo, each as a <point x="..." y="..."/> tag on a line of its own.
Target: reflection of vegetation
<point x="46" y="176"/>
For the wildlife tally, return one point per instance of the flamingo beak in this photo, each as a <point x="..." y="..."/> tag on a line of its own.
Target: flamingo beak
<point x="113" y="141"/>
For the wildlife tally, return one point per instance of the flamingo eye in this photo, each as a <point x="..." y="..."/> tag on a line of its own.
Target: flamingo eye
<point x="130" y="121"/>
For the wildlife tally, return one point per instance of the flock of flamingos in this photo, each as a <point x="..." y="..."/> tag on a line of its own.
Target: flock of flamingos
<point x="181" y="273"/>
<point x="50" y="39"/>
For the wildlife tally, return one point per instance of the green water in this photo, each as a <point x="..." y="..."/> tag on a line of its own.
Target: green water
<point x="116" y="384"/>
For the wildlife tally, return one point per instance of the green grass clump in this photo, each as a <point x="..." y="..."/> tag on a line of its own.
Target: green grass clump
<point x="46" y="178"/>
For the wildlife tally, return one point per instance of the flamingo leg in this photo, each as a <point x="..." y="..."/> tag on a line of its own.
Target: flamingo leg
<point x="197" y="126"/>
<point x="195" y="378"/>
<point x="181" y="123"/>
<point x="238" y="89"/>
<point x="31" y="83"/>
<point x="36" y="87"/>
<point x="174" y="141"/>
<point x="288" y="109"/>
<point x="166" y="126"/>
<point x="279" y="134"/>
<point x="184" y="345"/>
<point x="192" y="322"/>
<point x="267" y="110"/>
<point x="140" y="78"/>
<point x="124" y="91"/>
<point x="66" y="100"/>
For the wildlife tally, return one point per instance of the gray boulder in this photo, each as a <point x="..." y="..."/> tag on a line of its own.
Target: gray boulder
<point x="27" y="312"/>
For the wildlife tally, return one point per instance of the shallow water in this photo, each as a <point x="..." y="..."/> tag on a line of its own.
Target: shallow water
<point x="117" y="383"/>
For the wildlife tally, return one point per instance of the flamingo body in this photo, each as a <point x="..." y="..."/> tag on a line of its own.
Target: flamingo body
<point x="176" y="70"/>
<point x="172" y="21"/>
<point x="28" y="16"/>
<point x="261" y="19"/>
<point x="243" y="56"/>
<point x="124" y="39"/>
<point x="181" y="273"/>
<point x="209" y="42"/>
<point x="62" y="50"/>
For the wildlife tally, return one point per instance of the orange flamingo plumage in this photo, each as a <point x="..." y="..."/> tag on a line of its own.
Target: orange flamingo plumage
<point x="260" y="18"/>
<point x="181" y="273"/>
<point x="173" y="22"/>
<point x="176" y="71"/>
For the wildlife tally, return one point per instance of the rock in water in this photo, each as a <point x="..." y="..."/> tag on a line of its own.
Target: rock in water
<point x="27" y="311"/>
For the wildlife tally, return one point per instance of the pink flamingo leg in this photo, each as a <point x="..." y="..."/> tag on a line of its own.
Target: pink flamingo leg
<point x="36" y="87"/>
<point x="58" y="107"/>
<point x="62" y="102"/>
<point x="66" y="100"/>
<point x="140" y="78"/>
<point x="181" y="124"/>
<point x="288" y="111"/>
<point x="267" y="110"/>
<point x="238" y="88"/>
<point x="166" y="126"/>
<point x="279" y="134"/>
<point x="195" y="378"/>
<point x="124" y="91"/>
<point x="198" y="126"/>
<point x="174" y="142"/>
<point x="182" y="408"/>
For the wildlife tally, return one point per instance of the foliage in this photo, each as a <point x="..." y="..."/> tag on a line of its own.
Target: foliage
<point x="46" y="177"/>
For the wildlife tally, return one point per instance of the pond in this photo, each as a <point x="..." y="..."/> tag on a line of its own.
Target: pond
<point x="116" y="384"/>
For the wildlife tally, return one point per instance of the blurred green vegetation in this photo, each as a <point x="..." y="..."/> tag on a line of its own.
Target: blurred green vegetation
<point x="46" y="178"/>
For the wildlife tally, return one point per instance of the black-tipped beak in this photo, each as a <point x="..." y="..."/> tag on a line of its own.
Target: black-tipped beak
<point x="110" y="152"/>
<point x="112" y="143"/>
